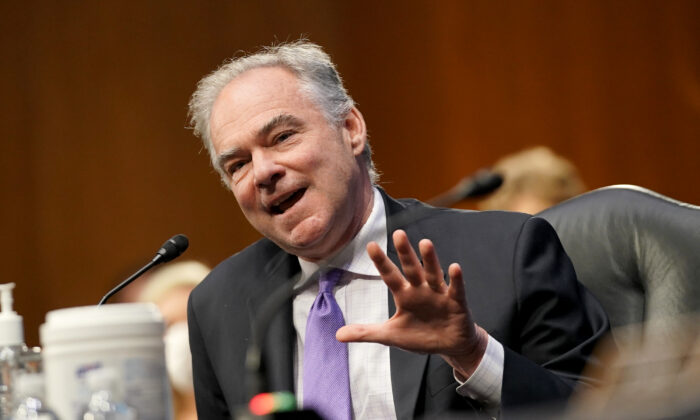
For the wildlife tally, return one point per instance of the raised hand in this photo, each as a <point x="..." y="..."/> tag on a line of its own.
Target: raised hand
<point x="431" y="317"/>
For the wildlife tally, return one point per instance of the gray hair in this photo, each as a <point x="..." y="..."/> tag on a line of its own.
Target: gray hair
<point x="318" y="79"/>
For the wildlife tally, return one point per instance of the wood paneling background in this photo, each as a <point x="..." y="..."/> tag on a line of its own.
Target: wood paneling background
<point x="97" y="168"/>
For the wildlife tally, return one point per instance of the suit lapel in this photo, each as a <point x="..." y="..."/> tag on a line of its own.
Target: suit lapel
<point x="407" y="369"/>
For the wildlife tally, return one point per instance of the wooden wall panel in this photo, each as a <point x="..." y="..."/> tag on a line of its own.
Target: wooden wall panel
<point x="97" y="167"/>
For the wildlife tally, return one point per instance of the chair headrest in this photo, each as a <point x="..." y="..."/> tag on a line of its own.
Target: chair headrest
<point x="636" y="250"/>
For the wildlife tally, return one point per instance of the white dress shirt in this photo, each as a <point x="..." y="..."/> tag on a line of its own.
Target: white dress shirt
<point x="363" y="299"/>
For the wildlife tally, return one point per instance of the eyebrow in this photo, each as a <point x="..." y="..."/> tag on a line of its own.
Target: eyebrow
<point x="281" y="119"/>
<point x="225" y="156"/>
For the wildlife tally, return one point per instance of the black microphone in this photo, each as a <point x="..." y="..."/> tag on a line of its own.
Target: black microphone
<point x="481" y="183"/>
<point x="171" y="249"/>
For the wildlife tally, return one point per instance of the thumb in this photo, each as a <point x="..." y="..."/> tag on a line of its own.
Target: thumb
<point x="360" y="333"/>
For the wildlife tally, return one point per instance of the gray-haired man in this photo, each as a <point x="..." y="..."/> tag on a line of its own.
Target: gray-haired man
<point x="292" y="147"/>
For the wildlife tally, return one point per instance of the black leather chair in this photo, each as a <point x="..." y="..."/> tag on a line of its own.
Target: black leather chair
<point x="637" y="251"/>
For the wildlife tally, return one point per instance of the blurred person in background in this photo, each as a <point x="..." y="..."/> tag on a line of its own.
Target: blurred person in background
<point x="169" y="287"/>
<point x="533" y="179"/>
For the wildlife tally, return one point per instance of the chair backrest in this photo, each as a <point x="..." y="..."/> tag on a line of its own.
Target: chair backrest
<point x="637" y="251"/>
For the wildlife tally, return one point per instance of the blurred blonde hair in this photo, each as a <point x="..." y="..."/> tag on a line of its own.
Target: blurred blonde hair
<point x="171" y="276"/>
<point x="536" y="172"/>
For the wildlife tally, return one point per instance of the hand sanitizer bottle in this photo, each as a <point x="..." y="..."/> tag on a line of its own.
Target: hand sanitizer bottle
<point x="12" y="348"/>
<point x="29" y="389"/>
<point x="106" y="401"/>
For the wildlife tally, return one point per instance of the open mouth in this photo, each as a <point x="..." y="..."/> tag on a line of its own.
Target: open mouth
<point x="288" y="202"/>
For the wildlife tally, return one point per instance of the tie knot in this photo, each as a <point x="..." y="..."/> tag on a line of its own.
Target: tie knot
<point x="329" y="279"/>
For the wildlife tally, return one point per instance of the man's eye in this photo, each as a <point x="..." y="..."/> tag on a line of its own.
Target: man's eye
<point x="235" y="167"/>
<point x="283" y="136"/>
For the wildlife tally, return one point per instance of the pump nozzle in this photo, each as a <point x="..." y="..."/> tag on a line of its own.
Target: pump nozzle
<point x="6" y="297"/>
<point x="11" y="329"/>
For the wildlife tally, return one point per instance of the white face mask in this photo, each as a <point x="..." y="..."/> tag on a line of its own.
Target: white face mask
<point x="178" y="359"/>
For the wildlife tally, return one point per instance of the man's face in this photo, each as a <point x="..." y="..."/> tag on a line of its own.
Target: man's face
<point x="298" y="179"/>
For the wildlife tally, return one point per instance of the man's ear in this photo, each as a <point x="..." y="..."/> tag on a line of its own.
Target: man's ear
<point x="356" y="130"/>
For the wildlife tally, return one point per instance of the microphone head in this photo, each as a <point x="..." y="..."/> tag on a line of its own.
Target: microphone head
<point x="172" y="248"/>
<point x="482" y="183"/>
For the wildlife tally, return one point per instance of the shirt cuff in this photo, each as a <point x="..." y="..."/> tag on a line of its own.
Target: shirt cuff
<point x="485" y="384"/>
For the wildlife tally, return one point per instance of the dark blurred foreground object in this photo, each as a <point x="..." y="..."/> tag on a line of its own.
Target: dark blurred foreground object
<point x="637" y="251"/>
<point x="655" y="378"/>
<point x="483" y="182"/>
<point x="533" y="180"/>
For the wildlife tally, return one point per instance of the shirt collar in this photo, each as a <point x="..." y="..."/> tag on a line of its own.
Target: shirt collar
<point x="353" y="257"/>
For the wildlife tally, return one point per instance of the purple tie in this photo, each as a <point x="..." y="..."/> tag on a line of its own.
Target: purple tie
<point x="326" y="375"/>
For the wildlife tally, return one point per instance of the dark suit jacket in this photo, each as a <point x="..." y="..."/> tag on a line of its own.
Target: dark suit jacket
<point x="520" y="285"/>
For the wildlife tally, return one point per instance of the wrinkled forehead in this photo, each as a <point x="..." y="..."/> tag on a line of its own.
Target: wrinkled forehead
<point x="257" y="85"/>
<point x="256" y="96"/>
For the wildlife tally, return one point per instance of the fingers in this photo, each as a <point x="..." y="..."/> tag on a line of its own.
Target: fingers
<point x="456" y="290"/>
<point x="433" y="271"/>
<point x="414" y="272"/>
<point x="412" y="268"/>
<point x="389" y="272"/>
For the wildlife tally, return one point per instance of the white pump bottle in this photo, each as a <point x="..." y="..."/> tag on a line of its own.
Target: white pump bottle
<point x="12" y="348"/>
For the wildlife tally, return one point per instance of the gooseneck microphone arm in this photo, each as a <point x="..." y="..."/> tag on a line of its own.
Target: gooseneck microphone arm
<point x="171" y="249"/>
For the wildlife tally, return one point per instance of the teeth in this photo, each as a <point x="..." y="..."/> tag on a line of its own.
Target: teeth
<point x="283" y="199"/>
<point x="277" y="207"/>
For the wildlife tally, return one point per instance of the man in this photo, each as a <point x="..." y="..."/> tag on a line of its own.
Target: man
<point x="292" y="147"/>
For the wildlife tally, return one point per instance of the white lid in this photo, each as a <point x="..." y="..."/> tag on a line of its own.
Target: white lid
<point x="11" y="329"/>
<point x="97" y="322"/>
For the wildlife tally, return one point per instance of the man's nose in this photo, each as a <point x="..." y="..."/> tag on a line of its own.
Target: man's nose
<point x="266" y="169"/>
